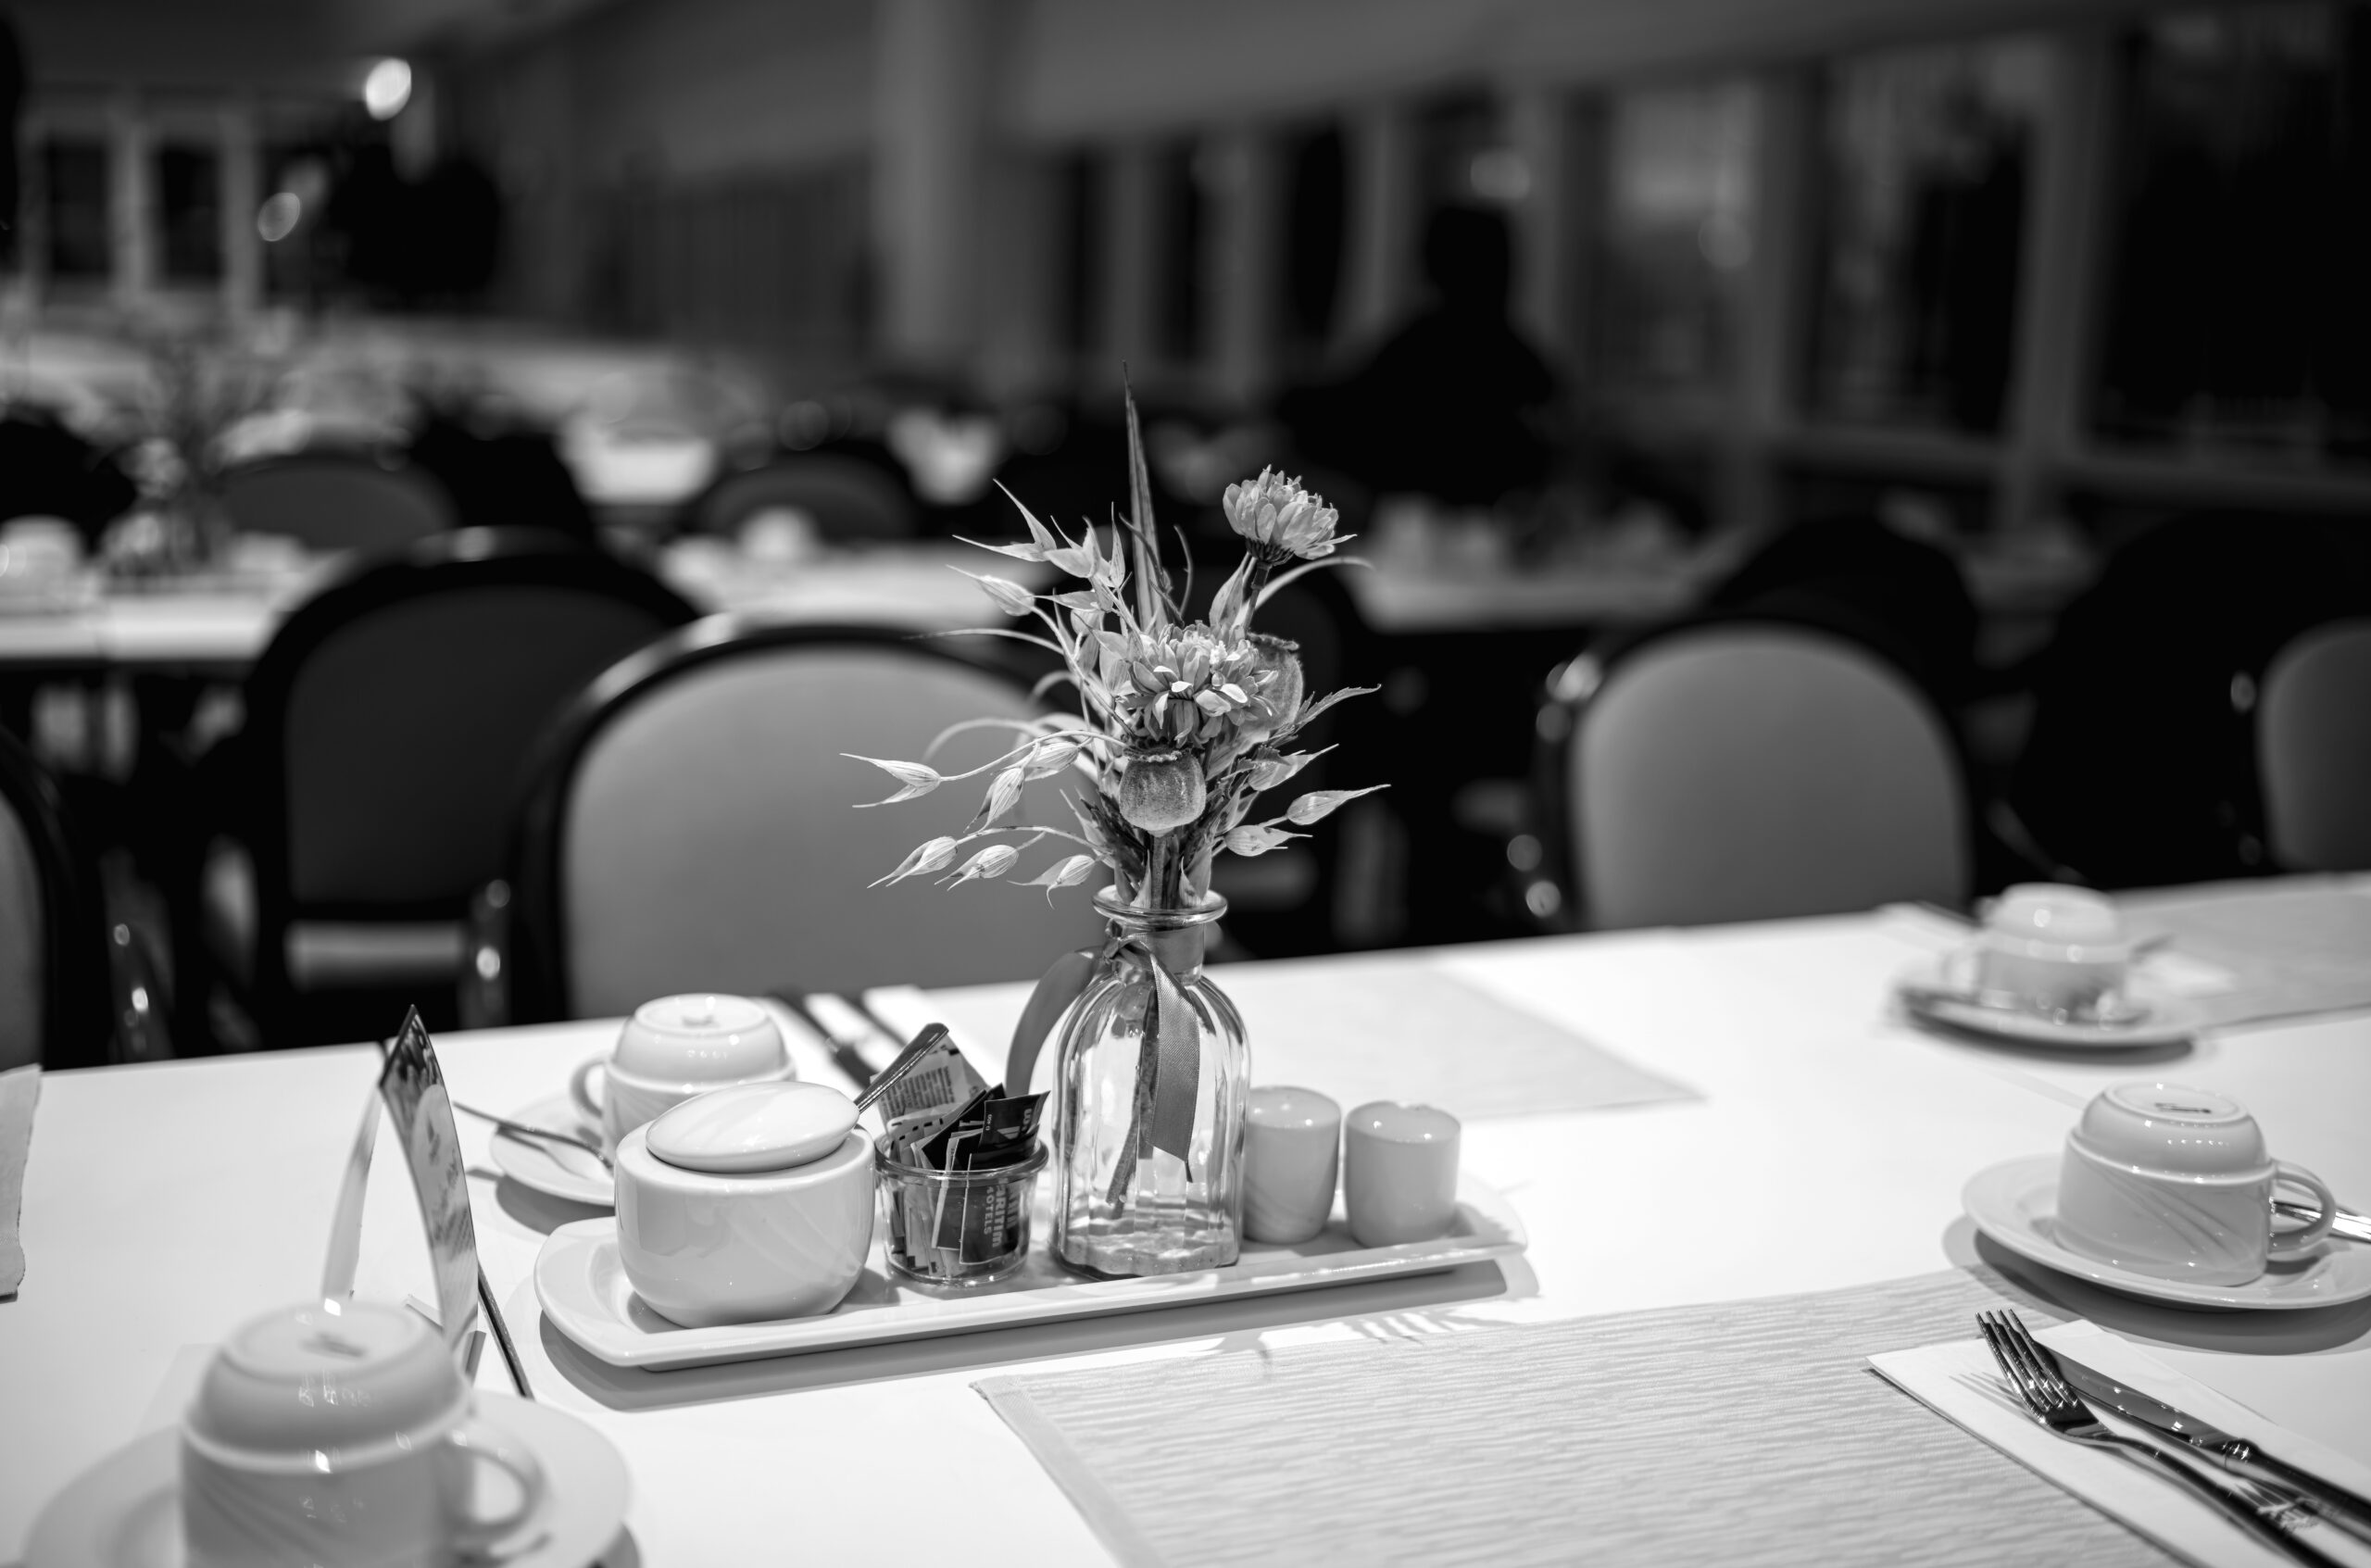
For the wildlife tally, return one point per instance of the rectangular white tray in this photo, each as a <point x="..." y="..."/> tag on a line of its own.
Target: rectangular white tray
<point x="584" y="1292"/>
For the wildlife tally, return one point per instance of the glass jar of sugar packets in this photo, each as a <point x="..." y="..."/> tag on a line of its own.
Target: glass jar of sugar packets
<point x="959" y="1227"/>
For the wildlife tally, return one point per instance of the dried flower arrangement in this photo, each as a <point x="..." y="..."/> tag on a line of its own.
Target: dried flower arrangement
<point x="1181" y="725"/>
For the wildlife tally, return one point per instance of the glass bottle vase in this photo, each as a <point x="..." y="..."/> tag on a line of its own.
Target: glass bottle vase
<point x="1150" y="1182"/>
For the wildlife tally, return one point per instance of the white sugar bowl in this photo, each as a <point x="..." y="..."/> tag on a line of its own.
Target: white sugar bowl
<point x="745" y="1204"/>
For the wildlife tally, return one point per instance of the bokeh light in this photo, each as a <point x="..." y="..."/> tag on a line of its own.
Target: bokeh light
<point x="387" y="89"/>
<point x="278" y="216"/>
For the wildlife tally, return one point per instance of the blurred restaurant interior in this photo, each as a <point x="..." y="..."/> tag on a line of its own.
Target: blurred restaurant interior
<point x="2021" y="351"/>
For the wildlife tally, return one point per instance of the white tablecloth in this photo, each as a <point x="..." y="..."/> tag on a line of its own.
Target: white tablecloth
<point x="165" y="1204"/>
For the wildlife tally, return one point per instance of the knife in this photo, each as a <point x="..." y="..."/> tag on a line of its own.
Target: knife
<point x="2344" y="1510"/>
<point x="2353" y="1227"/>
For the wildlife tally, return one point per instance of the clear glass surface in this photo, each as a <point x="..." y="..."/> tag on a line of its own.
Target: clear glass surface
<point x="1122" y="1207"/>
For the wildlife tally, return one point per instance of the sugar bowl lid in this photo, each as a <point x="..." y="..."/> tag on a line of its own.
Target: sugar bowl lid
<point x="753" y="1127"/>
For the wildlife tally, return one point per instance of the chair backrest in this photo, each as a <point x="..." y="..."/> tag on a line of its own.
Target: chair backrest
<point x="53" y="965"/>
<point x="2314" y="746"/>
<point x="336" y="501"/>
<point x="848" y="497"/>
<point x="2140" y="769"/>
<point x="697" y="827"/>
<point x="393" y="715"/>
<point x="1754" y="771"/>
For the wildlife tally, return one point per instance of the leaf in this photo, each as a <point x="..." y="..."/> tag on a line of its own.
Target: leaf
<point x="1078" y="561"/>
<point x="1007" y="597"/>
<point x="1018" y="552"/>
<point x="1301" y="720"/>
<point x="993" y="861"/>
<point x="1066" y="873"/>
<point x="1003" y="796"/>
<point x="1044" y="537"/>
<point x="913" y="777"/>
<point x="1258" y="838"/>
<point x="1049" y="757"/>
<point x="1319" y="804"/>
<point x="928" y="858"/>
<point x="1270" y="771"/>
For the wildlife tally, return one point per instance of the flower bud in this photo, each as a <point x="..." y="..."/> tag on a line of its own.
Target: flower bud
<point x="1161" y="791"/>
<point x="1287" y="686"/>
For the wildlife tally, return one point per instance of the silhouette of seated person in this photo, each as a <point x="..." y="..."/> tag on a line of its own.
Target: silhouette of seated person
<point x="1452" y="403"/>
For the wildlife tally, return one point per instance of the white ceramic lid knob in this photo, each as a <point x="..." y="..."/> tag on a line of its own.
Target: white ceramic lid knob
<point x="753" y="1127"/>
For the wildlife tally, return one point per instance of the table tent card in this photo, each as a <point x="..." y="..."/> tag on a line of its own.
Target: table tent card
<point x="412" y="1091"/>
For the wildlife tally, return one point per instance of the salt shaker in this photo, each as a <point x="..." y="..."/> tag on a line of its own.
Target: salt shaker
<point x="1292" y="1142"/>
<point x="1399" y="1173"/>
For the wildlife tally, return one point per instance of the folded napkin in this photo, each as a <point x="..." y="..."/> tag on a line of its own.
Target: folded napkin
<point x="1393" y="1027"/>
<point x="18" y="1089"/>
<point x="1738" y="1432"/>
<point x="1960" y="1380"/>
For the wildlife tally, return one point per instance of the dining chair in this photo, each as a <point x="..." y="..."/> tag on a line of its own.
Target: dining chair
<point x="389" y="729"/>
<point x="1746" y="769"/>
<point x="54" y="979"/>
<point x="846" y="497"/>
<point x="2314" y="748"/>
<point x="2140" y="766"/>
<point x="336" y="501"/>
<point x="699" y="825"/>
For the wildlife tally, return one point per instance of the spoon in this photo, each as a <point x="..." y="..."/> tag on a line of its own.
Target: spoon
<point x="520" y="1130"/>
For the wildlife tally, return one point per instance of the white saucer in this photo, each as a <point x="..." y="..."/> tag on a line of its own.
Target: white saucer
<point x="2152" y="1016"/>
<point x="125" y="1511"/>
<point x="554" y="1168"/>
<point x="2015" y="1203"/>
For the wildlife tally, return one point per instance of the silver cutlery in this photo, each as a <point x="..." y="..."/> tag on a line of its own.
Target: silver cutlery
<point x="845" y="1055"/>
<point x="2236" y="1455"/>
<point x="2033" y="1373"/>
<point x="2352" y="1226"/>
<point x="521" y="1130"/>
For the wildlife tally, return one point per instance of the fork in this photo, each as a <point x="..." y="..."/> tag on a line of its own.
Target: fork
<point x="2034" y="1375"/>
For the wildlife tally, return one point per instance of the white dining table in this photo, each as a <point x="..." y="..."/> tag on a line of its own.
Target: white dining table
<point x="1828" y="1148"/>
<point x="221" y="626"/>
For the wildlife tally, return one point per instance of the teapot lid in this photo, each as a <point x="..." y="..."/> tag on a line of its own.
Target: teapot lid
<point x="753" y="1127"/>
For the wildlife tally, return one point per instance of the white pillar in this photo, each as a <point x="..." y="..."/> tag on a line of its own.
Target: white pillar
<point x="131" y="219"/>
<point x="1383" y="219"/>
<point x="931" y="102"/>
<point x="242" y="165"/>
<point x="1244" y="260"/>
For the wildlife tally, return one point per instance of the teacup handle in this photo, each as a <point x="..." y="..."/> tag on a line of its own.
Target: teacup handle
<point x="480" y="1537"/>
<point x="580" y="1091"/>
<point x="2304" y="1236"/>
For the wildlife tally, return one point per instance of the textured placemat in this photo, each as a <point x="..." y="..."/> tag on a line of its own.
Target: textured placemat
<point x="2290" y="948"/>
<point x="1389" y="1026"/>
<point x="1738" y="1432"/>
<point x="1398" y="1026"/>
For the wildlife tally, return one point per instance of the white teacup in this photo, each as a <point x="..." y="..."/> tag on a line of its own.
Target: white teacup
<point x="2052" y="946"/>
<point x="746" y="1204"/>
<point x="2175" y="1181"/>
<point x="343" y="1434"/>
<point x="675" y="1047"/>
